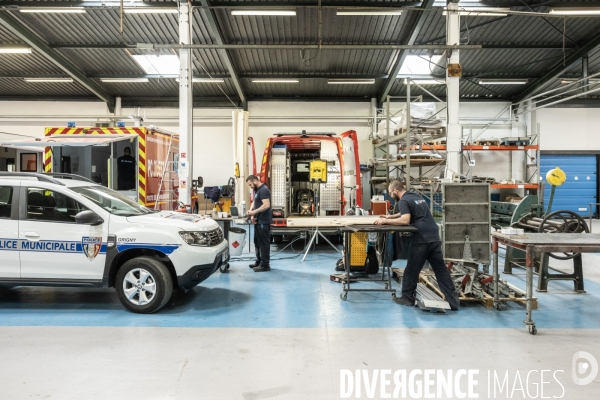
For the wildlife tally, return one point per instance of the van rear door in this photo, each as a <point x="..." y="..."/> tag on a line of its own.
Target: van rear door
<point x="352" y="189"/>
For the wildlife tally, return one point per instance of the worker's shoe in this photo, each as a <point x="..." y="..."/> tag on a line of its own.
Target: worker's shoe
<point x="261" y="268"/>
<point x="405" y="301"/>
<point x="254" y="265"/>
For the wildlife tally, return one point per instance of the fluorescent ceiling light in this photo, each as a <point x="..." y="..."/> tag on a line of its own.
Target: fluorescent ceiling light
<point x="166" y="64"/>
<point x="503" y="82"/>
<point x="415" y="65"/>
<point x="264" y="12"/>
<point x="35" y="80"/>
<point x="208" y="80"/>
<point x="15" y="50"/>
<point x="575" y="11"/>
<point x="351" y="81"/>
<point x="148" y="10"/>
<point x="580" y="80"/>
<point x="54" y="10"/>
<point x="205" y="80"/>
<point x="366" y="11"/>
<point x="424" y="82"/>
<point x="275" y="81"/>
<point x="482" y="11"/>
<point x="131" y="80"/>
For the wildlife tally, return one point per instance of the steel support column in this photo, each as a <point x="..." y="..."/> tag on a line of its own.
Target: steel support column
<point x="453" y="143"/>
<point x="186" y="104"/>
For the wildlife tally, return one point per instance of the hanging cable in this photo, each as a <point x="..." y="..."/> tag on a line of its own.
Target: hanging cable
<point x="564" y="40"/>
<point x="219" y="86"/>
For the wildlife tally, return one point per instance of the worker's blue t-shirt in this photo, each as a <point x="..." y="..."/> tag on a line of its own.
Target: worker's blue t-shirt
<point x="263" y="193"/>
<point x="420" y="217"/>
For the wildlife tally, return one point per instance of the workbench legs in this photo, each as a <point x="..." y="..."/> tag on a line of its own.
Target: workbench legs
<point x="386" y="265"/>
<point x="529" y="266"/>
<point x="496" y="273"/>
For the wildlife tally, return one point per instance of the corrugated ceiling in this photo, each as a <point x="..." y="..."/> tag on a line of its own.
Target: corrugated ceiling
<point x="102" y="27"/>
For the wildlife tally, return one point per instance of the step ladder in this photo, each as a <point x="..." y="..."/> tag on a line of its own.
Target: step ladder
<point x="168" y="179"/>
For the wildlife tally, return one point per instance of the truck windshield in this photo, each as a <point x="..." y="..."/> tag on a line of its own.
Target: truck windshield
<point x="111" y="201"/>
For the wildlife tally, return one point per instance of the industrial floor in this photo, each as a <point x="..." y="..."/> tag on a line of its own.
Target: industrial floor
<point x="283" y="335"/>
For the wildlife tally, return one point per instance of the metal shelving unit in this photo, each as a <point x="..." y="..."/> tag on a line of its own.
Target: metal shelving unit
<point x="530" y="180"/>
<point x="408" y="140"/>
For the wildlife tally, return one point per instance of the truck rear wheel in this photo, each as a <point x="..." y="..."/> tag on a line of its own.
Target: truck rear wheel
<point x="144" y="285"/>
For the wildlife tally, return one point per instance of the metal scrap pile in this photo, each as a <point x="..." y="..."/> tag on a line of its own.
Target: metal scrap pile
<point x="473" y="284"/>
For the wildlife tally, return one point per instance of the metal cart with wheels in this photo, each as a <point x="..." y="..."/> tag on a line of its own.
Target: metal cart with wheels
<point x="384" y="255"/>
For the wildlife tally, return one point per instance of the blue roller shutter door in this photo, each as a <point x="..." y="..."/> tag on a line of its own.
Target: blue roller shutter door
<point x="581" y="187"/>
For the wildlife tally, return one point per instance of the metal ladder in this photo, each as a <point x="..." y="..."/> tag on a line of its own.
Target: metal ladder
<point x="168" y="168"/>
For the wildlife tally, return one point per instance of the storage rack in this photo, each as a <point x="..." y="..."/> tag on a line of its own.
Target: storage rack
<point x="529" y="145"/>
<point x="408" y="141"/>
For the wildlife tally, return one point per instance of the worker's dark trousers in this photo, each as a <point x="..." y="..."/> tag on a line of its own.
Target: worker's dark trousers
<point x="262" y="244"/>
<point x="418" y="253"/>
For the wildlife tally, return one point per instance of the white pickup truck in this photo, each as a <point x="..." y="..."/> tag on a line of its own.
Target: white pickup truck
<point x="64" y="230"/>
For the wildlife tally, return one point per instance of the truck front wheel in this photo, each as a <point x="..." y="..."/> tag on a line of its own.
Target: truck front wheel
<point x="144" y="285"/>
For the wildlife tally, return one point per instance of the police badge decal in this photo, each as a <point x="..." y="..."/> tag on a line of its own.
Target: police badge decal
<point x="91" y="246"/>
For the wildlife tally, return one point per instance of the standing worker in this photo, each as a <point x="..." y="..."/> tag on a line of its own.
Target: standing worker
<point x="126" y="171"/>
<point x="262" y="217"/>
<point x="423" y="245"/>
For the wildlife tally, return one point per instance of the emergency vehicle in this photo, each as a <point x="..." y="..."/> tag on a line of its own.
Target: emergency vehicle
<point x="286" y="169"/>
<point x="70" y="231"/>
<point x="93" y="152"/>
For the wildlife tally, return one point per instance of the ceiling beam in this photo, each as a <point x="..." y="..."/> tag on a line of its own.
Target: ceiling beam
<point x="413" y="32"/>
<point x="223" y="46"/>
<point x="199" y="102"/>
<point x="223" y="53"/>
<point x="290" y="4"/>
<point x="15" y="27"/>
<point x="200" y="4"/>
<point x="558" y="69"/>
<point x="281" y="76"/>
<point x="102" y="46"/>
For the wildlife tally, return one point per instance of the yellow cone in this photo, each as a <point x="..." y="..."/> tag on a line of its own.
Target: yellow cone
<point x="556" y="177"/>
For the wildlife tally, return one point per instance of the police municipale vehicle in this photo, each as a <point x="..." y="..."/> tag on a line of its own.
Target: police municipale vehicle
<point x="64" y="230"/>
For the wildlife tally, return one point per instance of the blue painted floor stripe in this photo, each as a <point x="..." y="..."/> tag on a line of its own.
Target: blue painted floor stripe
<point x="292" y="295"/>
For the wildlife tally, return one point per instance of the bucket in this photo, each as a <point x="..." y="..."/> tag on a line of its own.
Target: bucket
<point x="237" y="240"/>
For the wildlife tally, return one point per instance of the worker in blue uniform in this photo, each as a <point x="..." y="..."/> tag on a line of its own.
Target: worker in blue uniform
<point x="424" y="245"/>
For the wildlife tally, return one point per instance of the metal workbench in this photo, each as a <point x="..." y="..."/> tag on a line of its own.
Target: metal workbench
<point x="541" y="243"/>
<point x="385" y="259"/>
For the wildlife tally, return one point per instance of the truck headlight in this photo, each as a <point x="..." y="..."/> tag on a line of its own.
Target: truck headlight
<point x="195" y="238"/>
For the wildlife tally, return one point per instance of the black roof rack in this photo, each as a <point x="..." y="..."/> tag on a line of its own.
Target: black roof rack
<point x="59" y="175"/>
<point x="304" y="134"/>
<point x="39" y="176"/>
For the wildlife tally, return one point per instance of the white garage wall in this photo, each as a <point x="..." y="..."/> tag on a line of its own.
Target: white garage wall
<point x="561" y="129"/>
<point x="569" y="129"/>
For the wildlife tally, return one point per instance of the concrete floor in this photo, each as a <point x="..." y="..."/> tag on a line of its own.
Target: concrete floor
<point x="283" y="335"/>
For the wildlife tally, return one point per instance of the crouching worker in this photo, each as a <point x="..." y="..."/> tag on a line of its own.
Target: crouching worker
<point x="262" y="217"/>
<point x="424" y="245"/>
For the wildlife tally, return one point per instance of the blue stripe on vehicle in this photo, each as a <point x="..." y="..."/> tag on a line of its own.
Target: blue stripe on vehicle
<point x="163" y="248"/>
<point x="44" y="246"/>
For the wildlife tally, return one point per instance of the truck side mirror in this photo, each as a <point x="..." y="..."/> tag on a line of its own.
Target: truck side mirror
<point x="88" y="217"/>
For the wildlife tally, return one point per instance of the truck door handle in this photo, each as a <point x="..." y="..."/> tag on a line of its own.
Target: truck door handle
<point x="32" y="235"/>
